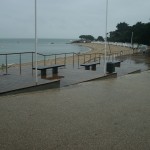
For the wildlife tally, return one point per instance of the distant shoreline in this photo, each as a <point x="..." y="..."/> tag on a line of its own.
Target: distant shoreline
<point x="94" y="48"/>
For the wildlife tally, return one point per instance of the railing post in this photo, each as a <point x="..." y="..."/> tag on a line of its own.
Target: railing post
<point x="32" y="63"/>
<point x="73" y="59"/>
<point x="99" y="57"/>
<point x="20" y="63"/>
<point x="55" y="58"/>
<point x="84" y="58"/>
<point x="44" y="60"/>
<point x="90" y="57"/>
<point x="95" y="57"/>
<point x="65" y="60"/>
<point x="6" y="65"/>
<point x="78" y="61"/>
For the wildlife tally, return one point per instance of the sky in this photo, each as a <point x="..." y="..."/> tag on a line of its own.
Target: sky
<point x="68" y="18"/>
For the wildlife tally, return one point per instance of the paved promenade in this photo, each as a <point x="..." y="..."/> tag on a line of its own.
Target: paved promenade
<point x="109" y="114"/>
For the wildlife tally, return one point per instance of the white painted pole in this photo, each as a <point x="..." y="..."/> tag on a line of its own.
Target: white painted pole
<point x="36" y="78"/>
<point x="105" y="37"/>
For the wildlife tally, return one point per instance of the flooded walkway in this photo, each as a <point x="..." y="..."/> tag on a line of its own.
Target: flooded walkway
<point x="69" y="75"/>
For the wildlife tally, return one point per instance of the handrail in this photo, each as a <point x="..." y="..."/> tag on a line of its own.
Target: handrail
<point x="16" y="53"/>
<point x="86" y="57"/>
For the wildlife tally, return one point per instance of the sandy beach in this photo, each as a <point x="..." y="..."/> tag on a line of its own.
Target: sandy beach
<point x="95" y="50"/>
<point x="111" y="49"/>
<point x="99" y="115"/>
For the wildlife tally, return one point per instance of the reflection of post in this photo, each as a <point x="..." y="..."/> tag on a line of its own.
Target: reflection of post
<point x="132" y="40"/>
<point x="3" y="67"/>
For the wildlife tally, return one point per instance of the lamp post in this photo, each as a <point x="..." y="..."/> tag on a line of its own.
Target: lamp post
<point x="105" y="37"/>
<point x="36" y="78"/>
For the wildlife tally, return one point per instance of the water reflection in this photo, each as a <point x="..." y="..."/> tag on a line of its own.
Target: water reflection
<point x="140" y="61"/>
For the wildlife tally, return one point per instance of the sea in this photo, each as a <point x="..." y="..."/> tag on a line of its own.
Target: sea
<point x="44" y="46"/>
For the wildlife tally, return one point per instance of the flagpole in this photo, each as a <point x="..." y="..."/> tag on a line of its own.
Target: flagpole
<point x="105" y="37"/>
<point x="36" y="44"/>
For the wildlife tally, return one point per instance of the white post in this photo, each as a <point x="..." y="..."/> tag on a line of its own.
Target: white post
<point x="105" y="37"/>
<point x="36" y="46"/>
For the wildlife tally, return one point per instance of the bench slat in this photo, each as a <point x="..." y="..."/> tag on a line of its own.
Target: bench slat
<point x="90" y="64"/>
<point x="48" y="67"/>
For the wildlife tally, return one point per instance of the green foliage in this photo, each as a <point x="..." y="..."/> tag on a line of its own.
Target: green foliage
<point x="141" y="33"/>
<point x="100" y="38"/>
<point x="87" y="37"/>
<point x="122" y="26"/>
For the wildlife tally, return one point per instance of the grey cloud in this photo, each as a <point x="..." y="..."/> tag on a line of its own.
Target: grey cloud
<point x="68" y="18"/>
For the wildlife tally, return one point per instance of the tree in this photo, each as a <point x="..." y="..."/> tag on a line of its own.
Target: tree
<point x="87" y="37"/>
<point x="100" y="38"/>
<point x="122" y="26"/>
<point x="124" y="31"/>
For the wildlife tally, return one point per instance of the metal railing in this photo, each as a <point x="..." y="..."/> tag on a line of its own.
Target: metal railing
<point x="75" y="58"/>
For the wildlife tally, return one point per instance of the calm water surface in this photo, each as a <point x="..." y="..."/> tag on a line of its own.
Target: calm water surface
<point x="44" y="46"/>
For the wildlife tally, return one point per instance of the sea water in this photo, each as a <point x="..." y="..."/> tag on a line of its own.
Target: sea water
<point x="44" y="46"/>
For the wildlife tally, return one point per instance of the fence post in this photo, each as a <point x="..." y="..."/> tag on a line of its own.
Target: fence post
<point x="78" y="61"/>
<point x="99" y="57"/>
<point x="6" y="65"/>
<point x="20" y="63"/>
<point x="32" y="63"/>
<point x="73" y="59"/>
<point x="84" y="58"/>
<point x="55" y="58"/>
<point x="90" y="57"/>
<point x="65" y="60"/>
<point x="95" y="57"/>
<point x="44" y="60"/>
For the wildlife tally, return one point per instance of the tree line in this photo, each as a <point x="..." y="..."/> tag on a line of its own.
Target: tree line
<point x="124" y="32"/>
<point x="91" y="38"/>
<point x="140" y="33"/>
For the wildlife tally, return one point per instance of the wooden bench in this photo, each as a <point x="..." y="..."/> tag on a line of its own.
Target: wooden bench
<point x="43" y="69"/>
<point x="88" y="65"/>
<point x="116" y="63"/>
<point x="111" y="66"/>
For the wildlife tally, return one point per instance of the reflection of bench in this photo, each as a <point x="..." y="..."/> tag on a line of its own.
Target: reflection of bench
<point x="44" y="68"/>
<point x="3" y="66"/>
<point x="92" y="65"/>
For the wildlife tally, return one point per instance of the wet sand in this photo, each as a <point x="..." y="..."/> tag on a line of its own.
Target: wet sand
<point x="100" y="48"/>
<point x="109" y="114"/>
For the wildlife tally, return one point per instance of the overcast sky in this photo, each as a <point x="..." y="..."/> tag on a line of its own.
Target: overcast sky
<point x="68" y="18"/>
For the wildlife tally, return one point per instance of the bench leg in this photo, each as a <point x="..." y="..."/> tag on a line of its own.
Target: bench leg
<point x="117" y="64"/>
<point x="93" y="67"/>
<point x="55" y="70"/>
<point x="43" y="73"/>
<point x="87" y="67"/>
